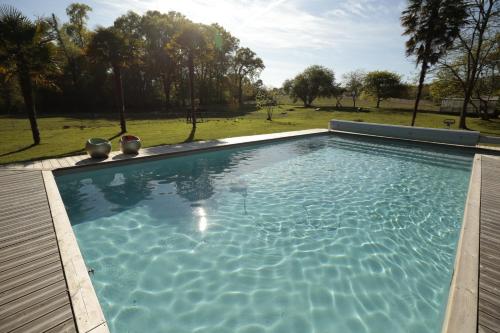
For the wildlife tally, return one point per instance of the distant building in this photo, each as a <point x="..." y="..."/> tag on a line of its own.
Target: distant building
<point x="454" y="105"/>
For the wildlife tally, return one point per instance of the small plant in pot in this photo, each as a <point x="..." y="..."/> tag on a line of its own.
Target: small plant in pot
<point x="130" y="144"/>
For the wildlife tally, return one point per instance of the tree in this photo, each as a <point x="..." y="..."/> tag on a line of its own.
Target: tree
<point x="338" y="93"/>
<point x="155" y="76"/>
<point x="109" y="46"/>
<point x="353" y="82"/>
<point x="432" y="26"/>
<point x="267" y="99"/>
<point x="382" y="85"/>
<point x="190" y="44"/>
<point x="26" y="51"/>
<point x="246" y="64"/>
<point x="77" y="27"/>
<point x="72" y="39"/>
<point x="445" y="85"/>
<point x="159" y="30"/>
<point x="315" y="81"/>
<point x="475" y="43"/>
<point x="225" y="46"/>
<point x="451" y="79"/>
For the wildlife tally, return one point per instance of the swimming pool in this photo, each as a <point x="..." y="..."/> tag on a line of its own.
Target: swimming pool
<point x="319" y="234"/>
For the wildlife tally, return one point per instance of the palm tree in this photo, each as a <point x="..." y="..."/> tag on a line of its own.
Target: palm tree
<point x="432" y="26"/>
<point x="25" y="51"/>
<point x="109" y="46"/>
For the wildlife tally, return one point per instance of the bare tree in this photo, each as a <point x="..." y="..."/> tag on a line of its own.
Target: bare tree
<point x="353" y="82"/>
<point x="469" y="58"/>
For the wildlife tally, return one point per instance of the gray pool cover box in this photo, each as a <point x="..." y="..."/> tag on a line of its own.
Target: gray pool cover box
<point x="458" y="137"/>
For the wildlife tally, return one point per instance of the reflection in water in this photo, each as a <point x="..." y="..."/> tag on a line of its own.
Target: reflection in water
<point x="124" y="189"/>
<point x="242" y="188"/>
<point x="191" y="179"/>
<point x="179" y="183"/>
<point x="202" y="218"/>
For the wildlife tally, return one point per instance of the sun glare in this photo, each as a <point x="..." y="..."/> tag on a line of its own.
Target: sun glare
<point x="202" y="219"/>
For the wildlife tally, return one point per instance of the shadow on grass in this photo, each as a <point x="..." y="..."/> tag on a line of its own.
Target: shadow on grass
<point x="343" y="109"/>
<point x="207" y="112"/>
<point x="490" y="126"/>
<point x="18" y="150"/>
<point x="116" y="135"/>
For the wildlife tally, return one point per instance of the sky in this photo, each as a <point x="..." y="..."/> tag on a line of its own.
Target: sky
<point x="289" y="35"/>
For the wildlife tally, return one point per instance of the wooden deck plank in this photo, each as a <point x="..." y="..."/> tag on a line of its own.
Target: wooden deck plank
<point x="31" y="299"/>
<point x="27" y="247"/>
<point x="488" y="321"/>
<point x="46" y="270"/>
<point x="493" y="299"/>
<point x="32" y="313"/>
<point x="64" y="162"/>
<point x="48" y="320"/>
<point x="10" y="239"/>
<point x="25" y="237"/>
<point x="46" y="165"/>
<point x="34" y="213"/>
<point x="29" y="267"/>
<point x="17" y="260"/>
<point x="489" y="259"/>
<point x="66" y="326"/>
<point x="12" y="228"/>
<point x="30" y="288"/>
<point x="484" y="329"/>
<point x="37" y="165"/>
<point x="33" y="292"/>
<point x="4" y="172"/>
<point x="10" y="203"/>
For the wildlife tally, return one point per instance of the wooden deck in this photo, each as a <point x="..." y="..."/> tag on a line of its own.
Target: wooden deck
<point x="33" y="292"/>
<point x="489" y="247"/>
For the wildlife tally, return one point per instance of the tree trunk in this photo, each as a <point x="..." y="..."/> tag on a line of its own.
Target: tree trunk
<point x="467" y="96"/>
<point x="463" y="113"/>
<point x="354" y="101"/>
<point x="423" y="71"/>
<point x="378" y="102"/>
<point x="7" y="95"/>
<point x="120" y="102"/>
<point x="27" y="92"/>
<point x="240" y="91"/>
<point x="166" y="90"/>
<point x="191" y="89"/>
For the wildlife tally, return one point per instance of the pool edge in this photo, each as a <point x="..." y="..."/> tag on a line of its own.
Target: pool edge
<point x="87" y="310"/>
<point x="192" y="148"/>
<point x="462" y="306"/>
<point x="461" y="310"/>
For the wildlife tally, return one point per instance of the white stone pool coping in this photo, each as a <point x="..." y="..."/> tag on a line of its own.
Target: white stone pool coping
<point x="462" y="307"/>
<point x="461" y="313"/>
<point x="86" y="308"/>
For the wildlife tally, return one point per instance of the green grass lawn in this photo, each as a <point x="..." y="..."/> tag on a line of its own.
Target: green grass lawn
<point x="62" y="136"/>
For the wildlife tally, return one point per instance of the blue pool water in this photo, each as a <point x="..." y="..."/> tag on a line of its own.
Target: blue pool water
<point x="321" y="234"/>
